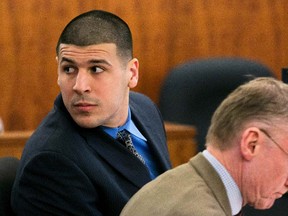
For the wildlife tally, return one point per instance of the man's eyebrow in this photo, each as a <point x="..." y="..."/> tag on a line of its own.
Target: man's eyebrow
<point x="99" y="61"/>
<point x="92" y="61"/>
<point x="64" y="59"/>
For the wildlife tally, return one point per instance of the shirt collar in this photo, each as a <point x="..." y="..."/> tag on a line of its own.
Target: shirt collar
<point x="233" y="192"/>
<point x="129" y="126"/>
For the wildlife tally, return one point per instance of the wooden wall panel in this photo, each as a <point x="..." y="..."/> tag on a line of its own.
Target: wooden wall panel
<point x="166" y="33"/>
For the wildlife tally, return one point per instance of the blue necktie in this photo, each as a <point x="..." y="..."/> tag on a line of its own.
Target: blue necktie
<point x="125" y="138"/>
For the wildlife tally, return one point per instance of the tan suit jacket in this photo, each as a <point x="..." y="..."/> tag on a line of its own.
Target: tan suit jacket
<point x="193" y="189"/>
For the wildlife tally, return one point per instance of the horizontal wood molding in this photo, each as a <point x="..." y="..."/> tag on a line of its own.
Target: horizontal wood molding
<point x="180" y="139"/>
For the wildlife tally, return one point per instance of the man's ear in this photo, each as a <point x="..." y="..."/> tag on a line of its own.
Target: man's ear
<point x="133" y="67"/>
<point x="250" y="142"/>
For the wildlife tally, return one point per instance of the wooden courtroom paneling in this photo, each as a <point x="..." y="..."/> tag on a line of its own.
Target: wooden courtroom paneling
<point x="12" y="142"/>
<point x="181" y="143"/>
<point x="166" y="33"/>
<point x="180" y="140"/>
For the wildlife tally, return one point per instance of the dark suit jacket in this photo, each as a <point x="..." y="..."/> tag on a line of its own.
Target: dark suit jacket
<point x="191" y="189"/>
<point x="68" y="170"/>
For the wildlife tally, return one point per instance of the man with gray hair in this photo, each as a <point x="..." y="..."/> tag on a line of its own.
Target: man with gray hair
<point x="245" y="161"/>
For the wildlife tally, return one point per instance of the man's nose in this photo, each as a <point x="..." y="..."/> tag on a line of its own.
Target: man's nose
<point x="82" y="82"/>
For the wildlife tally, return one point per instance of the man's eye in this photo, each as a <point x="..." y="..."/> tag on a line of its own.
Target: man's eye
<point x="96" y="69"/>
<point x="68" y="69"/>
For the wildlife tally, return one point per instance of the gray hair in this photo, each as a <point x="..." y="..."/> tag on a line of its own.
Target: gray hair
<point x="262" y="100"/>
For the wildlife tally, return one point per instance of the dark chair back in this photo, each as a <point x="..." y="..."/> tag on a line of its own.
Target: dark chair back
<point x="8" y="167"/>
<point x="192" y="91"/>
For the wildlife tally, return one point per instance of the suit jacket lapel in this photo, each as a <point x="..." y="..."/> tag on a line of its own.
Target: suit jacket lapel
<point x="214" y="183"/>
<point x="154" y="138"/>
<point x="116" y="155"/>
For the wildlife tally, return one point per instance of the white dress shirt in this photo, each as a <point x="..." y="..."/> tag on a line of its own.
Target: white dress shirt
<point x="232" y="190"/>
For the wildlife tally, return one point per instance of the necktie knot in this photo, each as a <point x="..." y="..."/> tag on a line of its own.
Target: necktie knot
<point x="125" y="138"/>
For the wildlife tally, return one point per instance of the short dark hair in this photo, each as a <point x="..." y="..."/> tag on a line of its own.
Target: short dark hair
<point x="95" y="27"/>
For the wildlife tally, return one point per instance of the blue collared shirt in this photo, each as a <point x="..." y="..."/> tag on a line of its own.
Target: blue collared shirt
<point x="139" y="142"/>
<point x="233" y="192"/>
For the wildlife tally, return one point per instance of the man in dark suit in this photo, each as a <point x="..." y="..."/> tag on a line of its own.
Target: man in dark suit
<point x="73" y="164"/>
<point x="245" y="162"/>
